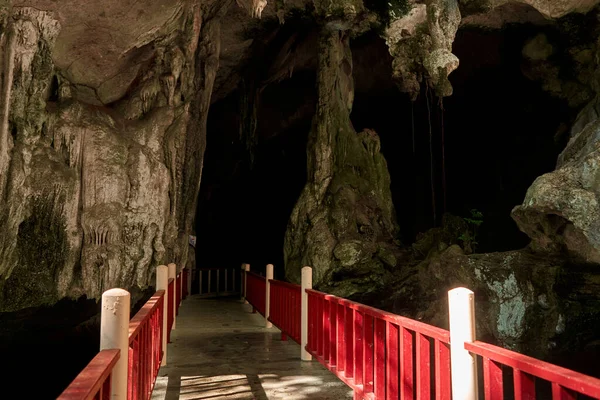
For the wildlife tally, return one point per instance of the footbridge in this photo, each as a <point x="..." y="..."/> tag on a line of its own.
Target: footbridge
<point x="249" y="336"/>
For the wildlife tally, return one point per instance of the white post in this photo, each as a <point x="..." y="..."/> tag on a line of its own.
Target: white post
<point x="162" y="283"/>
<point x="306" y="284"/>
<point x="114" y="334"/>
<point x="462" y="329"/>
<point x="268" y="324"/>
<point x="246" y="270"/>
<point x="173" y="274"/>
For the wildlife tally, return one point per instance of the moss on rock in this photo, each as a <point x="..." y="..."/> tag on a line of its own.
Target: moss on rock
<point x="345" y="213"/>
<point x="42" y="250"/>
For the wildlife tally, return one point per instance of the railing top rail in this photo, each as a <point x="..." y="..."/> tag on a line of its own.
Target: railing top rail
<point x="286" y="284"/>
<point x="569" y="379"/>
<point x="423" y="328"/>
<point x="136" y="323"/>
<point x="88" y="382"/>
<point x="252" y="273"/>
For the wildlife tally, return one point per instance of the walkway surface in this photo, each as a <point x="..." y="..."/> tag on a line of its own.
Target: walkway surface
<point x="220" y="350"/>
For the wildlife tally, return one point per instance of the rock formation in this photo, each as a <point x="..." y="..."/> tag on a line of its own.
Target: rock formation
<point x="101" y="142"/>
<point x="343" y="224"/>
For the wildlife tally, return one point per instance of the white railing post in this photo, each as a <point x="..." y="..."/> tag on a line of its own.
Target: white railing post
<point x="246" y="270"/>
<point x="114" y="334"/>
<point x="173" y="274"/>
<point x="306" y="284"/>
<point x="268" y="324"/>
<point x="463" y="364"/>
<point x="162" y="283"/>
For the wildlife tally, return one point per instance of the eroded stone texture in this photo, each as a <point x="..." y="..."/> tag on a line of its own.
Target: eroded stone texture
<point x="421" y="44"/>
<point x="344" y="224"/>
<point x="521" y="297"/>
<point x="95" y="196"/>
<point x="561" y="210"/>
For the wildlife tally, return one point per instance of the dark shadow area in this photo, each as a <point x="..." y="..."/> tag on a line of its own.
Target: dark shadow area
<point x="481" y="149"/>
<point x="490" y="139"/>
<point x="45" y="348"/>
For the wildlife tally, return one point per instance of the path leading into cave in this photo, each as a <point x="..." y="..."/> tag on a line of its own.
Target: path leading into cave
<point x="220" y="350"/>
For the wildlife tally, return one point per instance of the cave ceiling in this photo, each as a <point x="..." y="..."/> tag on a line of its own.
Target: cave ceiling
<point x="101" y="45"/>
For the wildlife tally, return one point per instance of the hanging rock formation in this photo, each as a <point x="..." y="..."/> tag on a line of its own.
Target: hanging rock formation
<point x="343" y="224"/>
<point x="102" y="137"/>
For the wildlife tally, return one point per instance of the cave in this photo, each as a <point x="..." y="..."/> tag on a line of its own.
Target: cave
<point x="456" y="146"/>
<point x="399" y="148"/>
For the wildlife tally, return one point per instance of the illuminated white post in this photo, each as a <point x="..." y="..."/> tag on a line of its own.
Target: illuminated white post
<point x="246" y="270"/>
<point x="114" y="334"/>
<point x="268" y="324"/>
<point x="463" y="364"/>
<point x="173" y="275"/>
<point x="162" y="283"/>
<point x="306" y="284"/>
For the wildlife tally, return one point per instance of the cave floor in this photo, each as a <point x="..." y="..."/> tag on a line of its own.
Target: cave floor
<point x="220" y="350"/>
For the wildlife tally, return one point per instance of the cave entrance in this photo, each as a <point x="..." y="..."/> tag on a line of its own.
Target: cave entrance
<point x="479" y="149"/>
<point x="500" y="130"/>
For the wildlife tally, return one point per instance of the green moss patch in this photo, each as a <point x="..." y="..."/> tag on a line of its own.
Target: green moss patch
<point x="42" y="251"/>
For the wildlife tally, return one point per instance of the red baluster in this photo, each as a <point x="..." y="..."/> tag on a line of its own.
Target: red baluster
<point x="423" y="367"/>
<point x="492" y="380"/>
<point x="358" y="348"/>
<point x="406" y="369"/>
<point x="379" y="359"/>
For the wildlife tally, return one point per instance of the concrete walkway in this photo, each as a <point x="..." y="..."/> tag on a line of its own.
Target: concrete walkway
<point x="220" y="350"/>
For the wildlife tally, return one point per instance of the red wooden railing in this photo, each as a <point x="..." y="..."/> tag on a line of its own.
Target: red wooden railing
<point x="566" y="384"/>
<point x="170" y="302"/>
<point x="93" y="383"/>
<point x="386" y="356"/>
<point x="256" y="291"/>
<point x="144" y="356"/>
<point x="215" y="282"/>
<point x="285" y="308"/>
<point x="378" y="354"/>
<point x="145" y="347"/>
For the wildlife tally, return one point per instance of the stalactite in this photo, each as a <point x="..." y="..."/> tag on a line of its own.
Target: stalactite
<point x="433" y="207"/>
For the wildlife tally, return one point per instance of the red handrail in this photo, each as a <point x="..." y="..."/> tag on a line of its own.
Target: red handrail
<point x="256" y="287"/>
<point x="565" y="383"/>
<point x="373" y="351"/>
<point x="145" y="347"/>
<point x="170" y="302"/>
<point x="93" y="382"/>
<point x="285" y="306"/>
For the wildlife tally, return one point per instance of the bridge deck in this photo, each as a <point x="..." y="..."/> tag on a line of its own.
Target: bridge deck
<point x="220" y="350"/>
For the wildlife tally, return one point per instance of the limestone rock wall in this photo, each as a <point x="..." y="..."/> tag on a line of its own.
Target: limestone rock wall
<point x="100" y="144"/>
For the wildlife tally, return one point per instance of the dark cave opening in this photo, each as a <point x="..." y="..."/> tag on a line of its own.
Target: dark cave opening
<point x="499" y="135"/>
